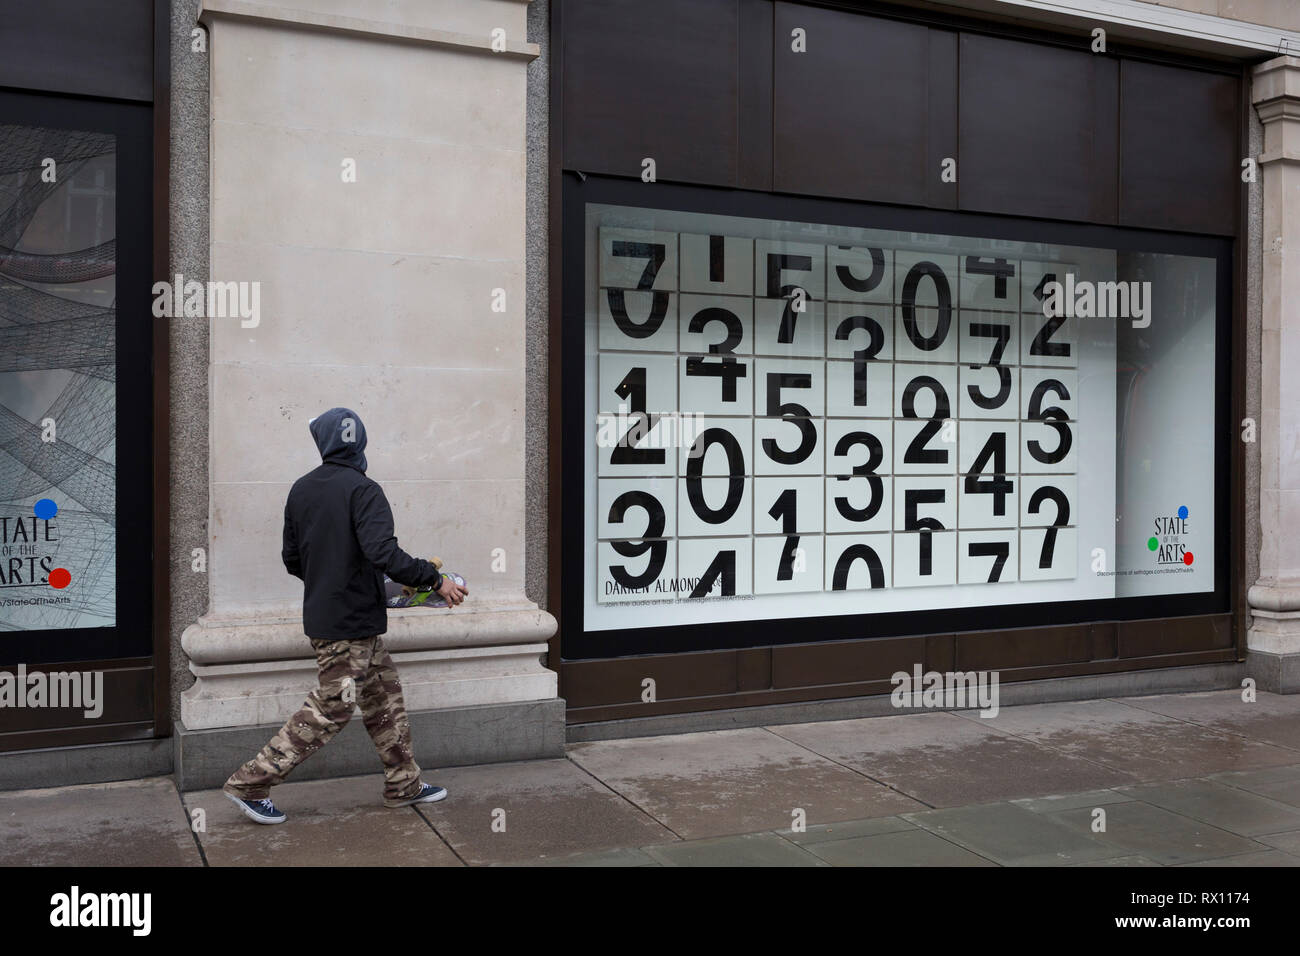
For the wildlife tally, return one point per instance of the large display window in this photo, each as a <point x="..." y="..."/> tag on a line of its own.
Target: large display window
<point x="800" y="420"/>
<point x="75" y="378"/>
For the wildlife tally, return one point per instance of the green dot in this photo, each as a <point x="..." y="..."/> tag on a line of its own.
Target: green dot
<point x="1152" y="543"/>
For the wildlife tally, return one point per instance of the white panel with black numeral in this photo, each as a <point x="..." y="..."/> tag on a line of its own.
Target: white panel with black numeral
<point x="1047" y="340"/>
<point x="1048" y="554"/>
<point x="859" y="346"/>
<point x="925" y="558"/>
<point x="638" y="259"/>
<point x="923" y="334"/>
<point x="789" y="505"/>
<point x="987" y="448"/>
<point x="989" y="282"/>
<point x="925" y="544"/>
<point x="783" y="268"/>
<point x="924" y="424"/>
<point x="644" y="321"/>
<point x="1047" y="535"/>
<point x="859" y="503"/>
<point x="720" y="447"/>
<point x="989" y="338"/>
<point x="1034" y="278"/>
<point x="1052" y="498"/>
<point x="987" y="557"/>
<point x="859" y="447"/>
<point x="925" y="502"/>
<point x="1047" y="433"/>
<point x="859" y="389"/>
<point x="787" y="562"/>
<point x="789" y="327"/>
<point x="713" y="491"/>
<point x="716" y="384"/>
<point x="719" y="265"/>
<point x="634" y="395"/>
<point x="635" y="508"/>
<point x="715" y="567"/>
<point x="718" y="505"/>
<point x="789" y="394"/>
<point x="716" y="324"/>
<point x="859" y="274"/>
<point x="635" y="571"/>
<point x="988" y="392"/>
<point x="858" y="562"/>
<point x="1048" y="394"/>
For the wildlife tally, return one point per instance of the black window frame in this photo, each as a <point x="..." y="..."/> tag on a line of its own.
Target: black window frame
<point x="131" y="637"/>
<point x="579" y="644"/>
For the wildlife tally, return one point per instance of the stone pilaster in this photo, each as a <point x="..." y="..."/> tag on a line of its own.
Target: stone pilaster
<point x="1274" y="638"/>
<point x="368" y="171"/>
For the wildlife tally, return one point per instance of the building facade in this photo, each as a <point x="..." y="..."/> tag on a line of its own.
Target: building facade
<point x="741" y="354"/>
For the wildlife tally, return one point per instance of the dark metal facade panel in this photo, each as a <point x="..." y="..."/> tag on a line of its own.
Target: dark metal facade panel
<point x="1037" y="131"/>
<point x="657" y="81"/>
<point x="756" y="41"/>
<point x="71" y="46"/>
<point x="866" y="112"/>
<point x="1180" y="150"/>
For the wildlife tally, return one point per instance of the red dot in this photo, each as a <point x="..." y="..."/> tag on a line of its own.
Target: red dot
<point x="60" y="578"/>
<point x="1187" y="558"/>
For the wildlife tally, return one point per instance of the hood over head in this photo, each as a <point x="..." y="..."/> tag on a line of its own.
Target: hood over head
<point x="341" y="437"/>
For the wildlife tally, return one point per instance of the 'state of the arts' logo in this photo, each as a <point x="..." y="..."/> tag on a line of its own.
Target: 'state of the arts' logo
<point x="1170" y="540"/>
<point x="25" y="545"/>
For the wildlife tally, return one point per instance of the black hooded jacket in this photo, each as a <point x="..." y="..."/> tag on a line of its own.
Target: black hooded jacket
<point x="338" y="537"/>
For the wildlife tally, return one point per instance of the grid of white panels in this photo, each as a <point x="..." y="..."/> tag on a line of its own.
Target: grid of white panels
<point x="866" y="418"/>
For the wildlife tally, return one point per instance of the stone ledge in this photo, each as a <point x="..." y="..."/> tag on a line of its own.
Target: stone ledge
<point x="89" y="763"/>
<point x="448" y="737"/>
<point x="242" y="638"/>
<point x="1137" y="683"/>
<point x="250" y="694"/>
<point x="359" y="26"/>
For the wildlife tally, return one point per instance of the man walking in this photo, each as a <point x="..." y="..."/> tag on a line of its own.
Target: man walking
<point x="338" y="537"/>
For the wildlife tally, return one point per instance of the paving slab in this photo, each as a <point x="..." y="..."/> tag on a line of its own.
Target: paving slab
<point x="1072" y="801"/>
<point x="129" y="823"/>
<point x="734" y="781"/>
<point x="847" y="830"/>
<point x="1168" y="838"/>
<point x="1261" y="858"/>
<point x="945" y="760"/>
<point x="913" y="847"/>
<point x="1270" y="718"/>
<point x="1279" y="783"/>
<point x="1288" y="842"/>
<point x="338" y="822"/>
<point x="1237" y="811"/>
<point x="751" y="849"/>
<point x="1014" y="836"/>
<point x="549" y="808"/>
<point x="1147" y="746"/>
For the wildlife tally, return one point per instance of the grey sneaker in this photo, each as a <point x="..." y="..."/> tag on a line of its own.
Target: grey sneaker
<point x="428" y="794"/>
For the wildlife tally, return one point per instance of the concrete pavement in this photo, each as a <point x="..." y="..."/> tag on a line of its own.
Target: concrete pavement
<point x="1171" y="780"/>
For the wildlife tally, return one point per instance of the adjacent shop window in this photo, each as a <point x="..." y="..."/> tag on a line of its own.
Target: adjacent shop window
<point x="58" y="381"/>
<point x="791" y="420"/>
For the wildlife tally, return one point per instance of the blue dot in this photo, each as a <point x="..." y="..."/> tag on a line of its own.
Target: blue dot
<point x="45" y="509"/>
<point x="1182" y="512"/>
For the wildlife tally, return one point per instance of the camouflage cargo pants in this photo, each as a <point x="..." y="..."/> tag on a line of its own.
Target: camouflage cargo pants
<point x="351" y="672"/>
